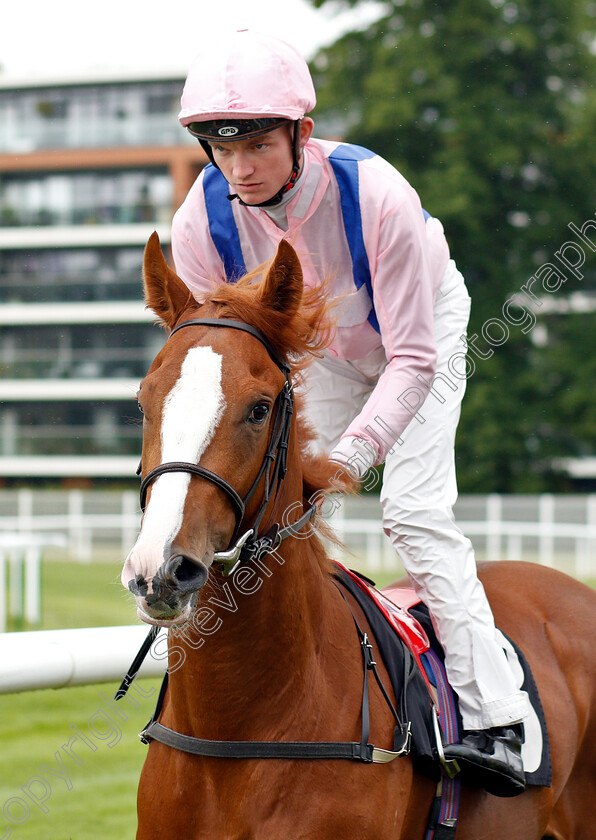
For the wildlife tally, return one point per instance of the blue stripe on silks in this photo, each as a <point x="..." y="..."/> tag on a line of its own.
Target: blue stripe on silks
<point x="344" y="160"/>
<point x="222" y="225"/>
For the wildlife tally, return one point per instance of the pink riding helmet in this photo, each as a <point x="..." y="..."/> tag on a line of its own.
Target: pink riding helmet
<point x="250" y="75"/>
<point x="251" y="85"/>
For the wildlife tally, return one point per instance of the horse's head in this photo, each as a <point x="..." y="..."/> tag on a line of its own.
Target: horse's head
<point x="217" y="404"/>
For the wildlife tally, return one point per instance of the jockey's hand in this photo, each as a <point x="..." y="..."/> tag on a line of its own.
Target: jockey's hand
<point x="354" y="456"/>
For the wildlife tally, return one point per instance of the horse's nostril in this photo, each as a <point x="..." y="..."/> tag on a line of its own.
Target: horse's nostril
<point x="138" y="586"/>
<point x="186" y="570"/>
<point x="184" y="574"/>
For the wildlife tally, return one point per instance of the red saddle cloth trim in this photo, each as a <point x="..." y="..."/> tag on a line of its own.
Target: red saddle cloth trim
<point x="394" y="603"/>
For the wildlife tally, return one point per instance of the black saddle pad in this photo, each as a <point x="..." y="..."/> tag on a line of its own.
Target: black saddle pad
<point x="537" y="758"/>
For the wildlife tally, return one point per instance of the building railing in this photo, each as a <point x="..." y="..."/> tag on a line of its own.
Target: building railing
<point x="40" y="134"/>
<point x="99" y="214"/>
<point x="33" y="286"/>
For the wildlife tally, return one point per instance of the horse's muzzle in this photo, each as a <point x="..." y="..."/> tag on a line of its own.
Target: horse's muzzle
<point x="170" y="596"/>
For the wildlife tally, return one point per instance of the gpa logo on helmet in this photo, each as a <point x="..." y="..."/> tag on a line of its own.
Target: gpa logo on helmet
<point x="227" y="131"/>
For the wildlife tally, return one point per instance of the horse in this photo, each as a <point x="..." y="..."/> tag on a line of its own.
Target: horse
<point x="262" y="647"/>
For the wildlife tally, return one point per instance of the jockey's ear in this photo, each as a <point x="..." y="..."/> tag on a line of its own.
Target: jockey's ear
<point x="306" y="129"/>
<point x="165" y="293"/>
<point x="282" y="287"/>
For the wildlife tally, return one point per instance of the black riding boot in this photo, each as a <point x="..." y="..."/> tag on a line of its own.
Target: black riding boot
<point x="491" y="759"/>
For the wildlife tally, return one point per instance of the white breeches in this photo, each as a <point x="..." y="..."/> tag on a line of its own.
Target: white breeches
<point x="418" y="492"/>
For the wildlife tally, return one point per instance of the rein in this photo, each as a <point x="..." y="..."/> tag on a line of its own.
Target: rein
<point x="273" y="469"/>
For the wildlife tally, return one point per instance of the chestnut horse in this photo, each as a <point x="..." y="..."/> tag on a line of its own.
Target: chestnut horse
<point x="269" y="652"/>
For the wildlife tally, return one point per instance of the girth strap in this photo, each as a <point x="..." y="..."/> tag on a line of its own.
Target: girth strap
<point x="258" y="749"/>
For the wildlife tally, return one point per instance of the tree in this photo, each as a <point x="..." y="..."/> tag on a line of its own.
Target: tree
<point x="487" y="107"/>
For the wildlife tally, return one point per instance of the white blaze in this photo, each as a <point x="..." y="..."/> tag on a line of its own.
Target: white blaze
<point x="191" y="413"/>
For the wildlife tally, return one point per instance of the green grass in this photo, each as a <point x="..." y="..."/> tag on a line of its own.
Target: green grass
<point x="82" y="595"/>
<point x="101" y="801"/>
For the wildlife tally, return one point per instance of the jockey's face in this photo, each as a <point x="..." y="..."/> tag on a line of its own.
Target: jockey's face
<point x="257" y="168"/>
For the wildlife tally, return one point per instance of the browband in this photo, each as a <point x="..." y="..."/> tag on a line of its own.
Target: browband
<point x="237" y="325"/>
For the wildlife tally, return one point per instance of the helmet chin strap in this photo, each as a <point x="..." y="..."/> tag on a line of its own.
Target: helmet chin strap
<point x="289" y="184"/>
<point x="276" y="199"/>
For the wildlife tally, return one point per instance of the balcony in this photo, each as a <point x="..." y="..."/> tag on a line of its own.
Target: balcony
<point x="19" y="238"/>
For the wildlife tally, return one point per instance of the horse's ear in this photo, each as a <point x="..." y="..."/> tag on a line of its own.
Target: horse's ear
<point x="165" y="293"/>
<point x="282" y="287"/>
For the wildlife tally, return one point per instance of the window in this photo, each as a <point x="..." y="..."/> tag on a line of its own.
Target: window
<point x="73" y="198"/>
<point x="91" y="116"/>
<point x="81" y="351"/>
<point x="75" y="274"/>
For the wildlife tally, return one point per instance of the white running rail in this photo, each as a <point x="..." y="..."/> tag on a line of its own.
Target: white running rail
<point x="58" y="658"/>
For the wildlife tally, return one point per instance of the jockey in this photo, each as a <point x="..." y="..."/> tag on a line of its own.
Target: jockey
<point x="389" y="387"/>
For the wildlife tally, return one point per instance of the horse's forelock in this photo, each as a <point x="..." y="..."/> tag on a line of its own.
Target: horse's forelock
<point x="298" y="336"/>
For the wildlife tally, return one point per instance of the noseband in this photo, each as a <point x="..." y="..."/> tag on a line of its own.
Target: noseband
<point x="272" y="470"/>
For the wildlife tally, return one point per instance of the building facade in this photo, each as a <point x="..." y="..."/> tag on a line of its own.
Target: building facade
<point x="88" y="169"/>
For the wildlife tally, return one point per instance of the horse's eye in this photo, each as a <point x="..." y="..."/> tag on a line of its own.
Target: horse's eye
<point x="140" y="407"/>
<point x="259" y="413"/>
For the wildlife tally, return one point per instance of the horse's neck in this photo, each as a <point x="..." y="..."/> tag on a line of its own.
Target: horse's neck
<point x="255" y="640"/>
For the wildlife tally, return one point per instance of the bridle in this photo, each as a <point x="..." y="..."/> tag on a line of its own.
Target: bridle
<point x="271" y="472"/>
<point x="250" y="546"/>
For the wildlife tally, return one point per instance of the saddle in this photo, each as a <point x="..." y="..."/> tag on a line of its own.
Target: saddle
<point x="399" y="619"/>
